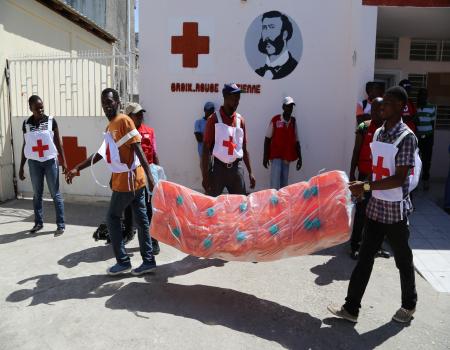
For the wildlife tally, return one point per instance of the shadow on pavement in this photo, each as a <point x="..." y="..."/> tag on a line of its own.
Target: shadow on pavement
<point x="80" y="214"/>
<point x="12" y="237"/>
<point x="338" y="268"/>
<point x="91" y="255"/>
<point x="245" y="313"/>
<point x="210" y="305"/>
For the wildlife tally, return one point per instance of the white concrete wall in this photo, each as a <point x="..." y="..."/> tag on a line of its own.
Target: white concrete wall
<point x="401" y="68"/>
<point x="29" y="28"/>
<point x="325" y="84"/>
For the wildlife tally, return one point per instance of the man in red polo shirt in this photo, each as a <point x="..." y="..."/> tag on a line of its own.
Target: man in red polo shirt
<point x="148" y="143"/>
<point x="225" y="143"/>
<point x="281" y="145"/>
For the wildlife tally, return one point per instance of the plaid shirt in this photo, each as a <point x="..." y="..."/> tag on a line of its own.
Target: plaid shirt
<point x="391" y="212"/>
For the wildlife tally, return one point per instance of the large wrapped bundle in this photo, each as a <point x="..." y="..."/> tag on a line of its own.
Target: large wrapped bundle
<point x="267" y="225"/>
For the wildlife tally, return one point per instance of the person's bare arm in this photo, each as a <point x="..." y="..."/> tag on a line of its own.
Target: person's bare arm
<point x="355" y="156"/>
<point x="249" y="167"/>
<point x="141" y="156"/>
<point x="266" y="160"/>
<point x="83" y="165"/>
<point x="22" y="162"/>
<point x="198" y="136"/>
<point x="59" y="147"/>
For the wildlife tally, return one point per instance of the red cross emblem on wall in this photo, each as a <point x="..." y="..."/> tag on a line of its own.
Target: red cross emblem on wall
<point x="40" y="148"/>
<point x="379" y="171"/>
<point x="190" y="45"/>
<point x="230" y="145"/>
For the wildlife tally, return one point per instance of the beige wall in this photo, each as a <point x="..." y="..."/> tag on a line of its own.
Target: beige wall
<point x="401" y="68"/>
<point x="29" y="28"/>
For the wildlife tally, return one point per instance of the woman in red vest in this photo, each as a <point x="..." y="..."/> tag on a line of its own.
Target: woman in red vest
<point x="281" y="146"/>
<point x="362" y="161"/>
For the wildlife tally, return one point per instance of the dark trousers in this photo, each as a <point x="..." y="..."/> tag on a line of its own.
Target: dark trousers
<point x="128" y="213"/>
<point x="360" y="217"/>
<point x="426" y="152"/>
<point x="374" y="233"/>
<point x="231" y="178"/>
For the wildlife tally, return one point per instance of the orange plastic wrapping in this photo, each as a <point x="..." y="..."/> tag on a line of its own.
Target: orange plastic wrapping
<point x="267" y="225"/>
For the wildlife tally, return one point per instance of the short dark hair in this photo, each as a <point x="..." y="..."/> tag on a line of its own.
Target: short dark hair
<point x="369" y="85"/>
<point x="398" y="93"/>
<point x="287" y="25"/>
<point x="113" y="91"/>
<point x="33" y="99"/>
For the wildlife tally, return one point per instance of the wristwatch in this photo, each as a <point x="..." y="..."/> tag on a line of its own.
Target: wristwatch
<point x="366" y="186"/>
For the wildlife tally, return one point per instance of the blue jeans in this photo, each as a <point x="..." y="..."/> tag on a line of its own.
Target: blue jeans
<point x="119" y="201"/>
<point x="48" y="169"/>
<point x="279" y="173"/>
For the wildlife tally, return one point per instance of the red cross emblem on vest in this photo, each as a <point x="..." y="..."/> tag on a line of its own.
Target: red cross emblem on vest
<point x="190" y="45"/>
<point x="230" y="145"/>
<point x="379" y="171"/>
<point x="40" y="148"/>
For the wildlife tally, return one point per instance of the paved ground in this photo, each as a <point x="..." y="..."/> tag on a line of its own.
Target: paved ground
<point x="54" y="295"/>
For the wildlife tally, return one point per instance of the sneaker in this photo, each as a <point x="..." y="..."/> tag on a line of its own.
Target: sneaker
<point x="59" y="232"/>
<point x="403" y="315"/>
<point x="155" y="247"/>
<point x="118" y="269"/>
<point x="36" y="228"/>
<point x="342" y="313"/>
<point x="145" y="267"/>
<point x="382" y="253"/>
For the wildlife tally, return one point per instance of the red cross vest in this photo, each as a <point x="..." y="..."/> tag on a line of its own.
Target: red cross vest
<point x="383" y="165"/>
<point x="283" y="143"/>
<point x="228" y="140"/>
<point x="147" y="142"/>
<point x="39" y="144"/>
<point x="365" y="158"/>
<point x="109" y="150"/>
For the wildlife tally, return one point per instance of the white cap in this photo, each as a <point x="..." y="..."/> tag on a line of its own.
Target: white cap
<point x="288" y="100"/>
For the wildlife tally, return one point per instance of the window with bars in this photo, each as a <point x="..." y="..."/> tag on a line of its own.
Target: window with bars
<point x="429" y="50"/>
<point x="386" y="48"/>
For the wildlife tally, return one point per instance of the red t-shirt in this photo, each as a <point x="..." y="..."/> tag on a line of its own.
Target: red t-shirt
<point x="148" y="142"/>
<point x="210" y="131"/>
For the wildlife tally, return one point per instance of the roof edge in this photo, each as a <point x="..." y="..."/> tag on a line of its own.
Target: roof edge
<point x="74" y="16"/>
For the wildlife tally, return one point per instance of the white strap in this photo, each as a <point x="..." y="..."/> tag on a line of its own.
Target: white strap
<point x="238" y="120"/>
<point x="219" y="118"/>
<point x="377" y="132"/>
<point x="27" y="127"/>
<point x="401" y="137"/>
<point x="50" y="123"/>
<point x="127" y="137"/>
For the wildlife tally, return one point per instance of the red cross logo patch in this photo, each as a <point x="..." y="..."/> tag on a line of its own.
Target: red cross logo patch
<point x="230" y="145"/>
<point x="379" y="171"/>
<point x="40" y="148"/>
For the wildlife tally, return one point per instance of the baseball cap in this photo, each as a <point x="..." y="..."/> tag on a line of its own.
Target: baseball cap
<point x="231" y="89"/>
<point x="133" y="108"/>
<point x="208" y="106"/>
<point x="288" y="100"/>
